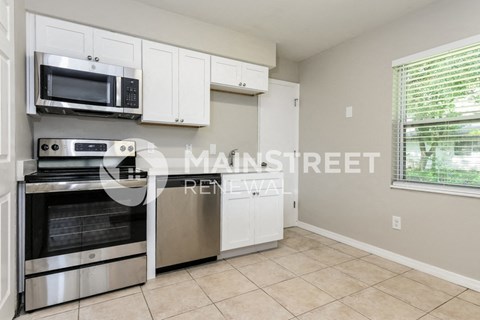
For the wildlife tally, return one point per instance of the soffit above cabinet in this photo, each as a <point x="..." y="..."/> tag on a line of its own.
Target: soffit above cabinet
<point x="147" y="22"/>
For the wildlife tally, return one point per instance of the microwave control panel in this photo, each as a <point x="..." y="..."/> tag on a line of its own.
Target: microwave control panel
<point x="130" y="93"/>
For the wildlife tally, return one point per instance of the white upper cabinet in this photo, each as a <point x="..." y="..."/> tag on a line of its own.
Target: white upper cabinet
<point x="160" y="83"/>
<point x="236" y="76"/>
<point x="226" y="71"/>
<point x="194" y="88"/>
<point x="117" y="49"/>
<point x="176" y="86"/>
<point x="82" y="42"/>
<point x="63" y="38"/>
<point x="255" y="77"/>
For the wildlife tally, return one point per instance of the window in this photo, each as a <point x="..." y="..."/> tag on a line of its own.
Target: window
<point x="437" y="118"/>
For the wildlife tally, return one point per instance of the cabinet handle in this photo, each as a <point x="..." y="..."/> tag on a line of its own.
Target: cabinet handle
<point x="181" y="120"/>
<point x="244" y="84"/>
<point x="89" y="57"/>
<point x="96" y="59"/>
<point x="240" y="84"/>
<point x="176" y="120"/>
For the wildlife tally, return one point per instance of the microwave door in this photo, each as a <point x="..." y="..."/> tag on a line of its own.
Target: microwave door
<point x="74" y="89"/>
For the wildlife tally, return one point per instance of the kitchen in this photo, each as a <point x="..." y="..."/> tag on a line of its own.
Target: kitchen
<point x="165" y="89"/>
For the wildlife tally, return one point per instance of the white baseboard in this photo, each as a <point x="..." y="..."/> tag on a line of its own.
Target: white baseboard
<point x="247" y="250"/>
<point x="409" y="262"/>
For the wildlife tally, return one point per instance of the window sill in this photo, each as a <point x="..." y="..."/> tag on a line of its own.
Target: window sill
<point x="450" y="190"/>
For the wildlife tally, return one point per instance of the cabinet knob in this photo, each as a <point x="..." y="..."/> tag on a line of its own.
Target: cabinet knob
<point x="97" y="59"/>
<point x="244" y="84"/>
<point x="181" y="120"/>
<point x="176" y="120"/>
<point x="240" y="84"/>
<point x="89" y="57"/>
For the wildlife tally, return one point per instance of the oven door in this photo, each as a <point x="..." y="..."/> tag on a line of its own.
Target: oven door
<point x="67" y="83"/>
<point x="75" y="223"/>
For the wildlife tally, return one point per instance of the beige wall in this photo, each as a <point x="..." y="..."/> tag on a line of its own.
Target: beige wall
<point x="148" y="22"/>
<point x="437" y="229"/>
<point x="286" y="70"/>
<point x="233" y="120"/>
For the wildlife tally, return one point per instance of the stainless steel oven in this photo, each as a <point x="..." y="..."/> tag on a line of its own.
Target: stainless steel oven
<point x="72" y="86"/>
<point x="84" y="232"/>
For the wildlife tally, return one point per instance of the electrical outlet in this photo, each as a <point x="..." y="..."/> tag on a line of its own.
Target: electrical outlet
<point x="213" y="149"/>
<point x="150" y="147"/>
<point x="188" y="148"/>
<point x="396" y="223"/>
<point x="349" y="112"/>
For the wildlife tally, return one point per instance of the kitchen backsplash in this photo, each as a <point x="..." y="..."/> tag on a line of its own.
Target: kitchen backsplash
<point x="234" y="124"/>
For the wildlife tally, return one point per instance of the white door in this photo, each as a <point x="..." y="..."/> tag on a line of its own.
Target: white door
<point x="237" y="220"/>
<point x="278" y="130"/>
<point x="255" y="77"/>
<point x="194" y="88"/>
<point x="268" y="206"/>
<point x="63" y="38"/>
<point x="7" y="164"/>
<point x="117" y="49"/>
<point x="160" y="83"/>
<point x="226" y="71"/>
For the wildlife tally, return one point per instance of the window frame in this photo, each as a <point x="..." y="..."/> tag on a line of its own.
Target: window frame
<point x="399" y="127"/>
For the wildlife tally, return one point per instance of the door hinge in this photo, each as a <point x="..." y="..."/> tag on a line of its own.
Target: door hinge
<point x="294" y="204"/>
<point x="295" y="102"/>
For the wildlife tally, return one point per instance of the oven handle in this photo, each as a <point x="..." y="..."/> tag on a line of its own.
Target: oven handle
<point x="48" y="187"/>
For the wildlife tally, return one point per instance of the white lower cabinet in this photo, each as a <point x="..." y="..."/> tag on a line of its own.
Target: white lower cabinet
<point x="268" y="207"/>
<point x="238" y="219"/>
<point x="253" y="215"/>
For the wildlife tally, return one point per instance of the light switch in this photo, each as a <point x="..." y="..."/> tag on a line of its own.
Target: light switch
<point x="213" y="149"/>
<point x="349" y="112"/>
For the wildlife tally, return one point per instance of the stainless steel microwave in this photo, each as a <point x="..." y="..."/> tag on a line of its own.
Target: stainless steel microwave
<point x="72" y="86"/>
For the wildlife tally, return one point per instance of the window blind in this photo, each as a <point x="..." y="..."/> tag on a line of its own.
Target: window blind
<point x="436" y="137"/>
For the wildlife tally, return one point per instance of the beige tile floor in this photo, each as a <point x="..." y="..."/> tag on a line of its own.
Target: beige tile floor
<point x="308" y="277"/>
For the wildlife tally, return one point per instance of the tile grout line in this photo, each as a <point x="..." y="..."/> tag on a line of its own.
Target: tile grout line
<point x="457" y="297"/>
<point x="369" y="286"/>
<point x="260" y="288"/>
<point x="146" y="302"/>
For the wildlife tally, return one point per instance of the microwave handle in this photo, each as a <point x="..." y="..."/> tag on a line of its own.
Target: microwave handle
<point x="118" y="92"/>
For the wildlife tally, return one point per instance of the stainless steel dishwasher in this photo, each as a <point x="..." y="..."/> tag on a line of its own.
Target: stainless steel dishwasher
<point x="188" y="219"/>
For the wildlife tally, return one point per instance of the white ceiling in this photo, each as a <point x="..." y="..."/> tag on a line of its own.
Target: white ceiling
<point x="301" y="28"/>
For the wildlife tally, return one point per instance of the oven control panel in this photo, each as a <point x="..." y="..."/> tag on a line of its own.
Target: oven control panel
<point x="85" y="148"/>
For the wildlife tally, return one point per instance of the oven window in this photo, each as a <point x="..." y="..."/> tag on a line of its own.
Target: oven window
<point x="72" y="226"/>
<point x="66" y="85"/>
<point x="67" y="222"/>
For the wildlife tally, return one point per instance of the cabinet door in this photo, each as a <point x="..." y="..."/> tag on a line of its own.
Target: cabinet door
<point x="255" y="76"/>
<point x="268" y="215"/>
<point x="237" y="220"/>
<point x="63" y="38"/>
<point x="160" y="83"/>
<point x="117" y="49"/>
<point x="194" y="88"/>
<point x="226" y="71"/>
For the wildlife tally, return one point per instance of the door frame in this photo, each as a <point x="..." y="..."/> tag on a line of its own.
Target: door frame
<point x="295" y="86"/>
<point x="8" y="186"/>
